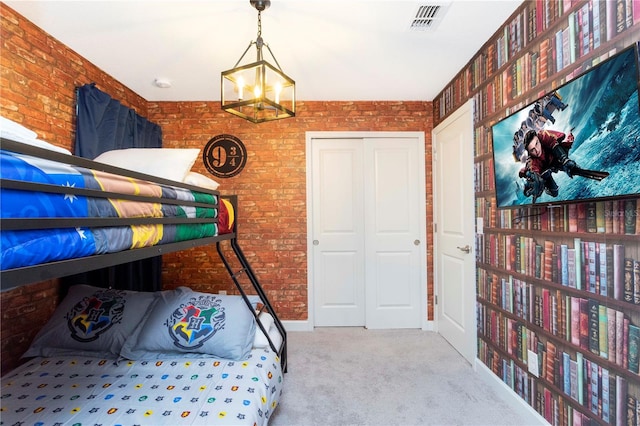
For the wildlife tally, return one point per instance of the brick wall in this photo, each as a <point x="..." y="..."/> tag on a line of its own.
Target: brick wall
<point x="24" y="311"/>
<point x="37" y="80"/>
<point x="272" y="187"/>
<point x="38" y="76"/>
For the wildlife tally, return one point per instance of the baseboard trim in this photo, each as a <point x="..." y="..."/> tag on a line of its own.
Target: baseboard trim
<point x="297" y="325"/>
<point x="429" y="326"/>
<point x="500" y="387"/>
<point x="305" y="325"/>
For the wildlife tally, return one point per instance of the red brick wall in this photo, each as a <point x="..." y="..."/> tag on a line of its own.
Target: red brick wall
<point x="24" y="312"/>
<point x="272" y="187"/>
<point x="38" y="75"/>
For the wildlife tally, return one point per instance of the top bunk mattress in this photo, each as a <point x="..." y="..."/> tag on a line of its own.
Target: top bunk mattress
<point x="53" y="210"/>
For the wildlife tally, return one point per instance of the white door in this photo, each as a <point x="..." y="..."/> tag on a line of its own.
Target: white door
<point x="338" y="232"/>
<point x="454" y="231"/>
<point x="366" y="224"/>
<point x="394" y="246"/>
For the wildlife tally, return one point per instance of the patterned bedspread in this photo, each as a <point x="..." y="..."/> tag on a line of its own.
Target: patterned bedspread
<point x="91" y="391"/>
<point x="27" y="247"/>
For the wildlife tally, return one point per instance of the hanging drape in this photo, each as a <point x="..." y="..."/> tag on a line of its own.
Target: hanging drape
<point x="104" y="124"/>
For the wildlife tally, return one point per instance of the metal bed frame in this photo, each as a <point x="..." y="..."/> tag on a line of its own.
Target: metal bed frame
<point x="12" y="278"/>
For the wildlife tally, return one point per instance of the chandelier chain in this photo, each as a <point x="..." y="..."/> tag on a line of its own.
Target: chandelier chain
<point x="259" y="24"/>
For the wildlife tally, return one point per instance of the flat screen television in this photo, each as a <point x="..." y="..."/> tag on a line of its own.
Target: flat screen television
<point x="601" y="109"/>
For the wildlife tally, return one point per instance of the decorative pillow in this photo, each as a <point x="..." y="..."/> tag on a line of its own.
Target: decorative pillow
<point x="91" y="321"/>
<point x="167" y="163"/>
<point x="197" y="179"/>
<point x="226" y="216"/>
<point x="185" y="323"/>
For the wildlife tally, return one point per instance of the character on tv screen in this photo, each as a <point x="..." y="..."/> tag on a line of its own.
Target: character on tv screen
<point x="548" y="153"/>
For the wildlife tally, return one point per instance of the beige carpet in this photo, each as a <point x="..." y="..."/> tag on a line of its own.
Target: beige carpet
<point x="353" y="376"/>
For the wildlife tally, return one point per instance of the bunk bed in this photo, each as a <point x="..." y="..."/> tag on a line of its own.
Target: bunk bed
<point x="141" y="374"/>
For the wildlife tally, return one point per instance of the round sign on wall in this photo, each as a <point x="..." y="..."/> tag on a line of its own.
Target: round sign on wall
<point x="224" y="156"/>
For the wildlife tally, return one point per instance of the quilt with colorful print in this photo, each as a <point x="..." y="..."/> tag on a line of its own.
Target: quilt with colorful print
<point x="32" y="247"/>
<point x="94" y="391"/>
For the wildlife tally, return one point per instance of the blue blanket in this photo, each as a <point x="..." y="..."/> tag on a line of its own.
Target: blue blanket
<point x="32" y="247"/>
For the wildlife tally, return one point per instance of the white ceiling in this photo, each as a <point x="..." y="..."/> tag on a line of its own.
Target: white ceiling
<point x="333" y="49"/>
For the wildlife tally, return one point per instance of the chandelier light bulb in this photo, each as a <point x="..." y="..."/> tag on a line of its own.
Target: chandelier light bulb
<point x="240" y="83"/>
<point x="278" y="89"/>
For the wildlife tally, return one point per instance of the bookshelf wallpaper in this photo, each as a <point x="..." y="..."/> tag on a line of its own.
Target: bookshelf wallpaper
<point x="558" y="288"/>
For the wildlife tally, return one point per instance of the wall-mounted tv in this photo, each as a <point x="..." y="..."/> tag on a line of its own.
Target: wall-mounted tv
<point x="594" y="123"/>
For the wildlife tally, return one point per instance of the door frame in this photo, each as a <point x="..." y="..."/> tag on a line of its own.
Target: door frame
<point x="420" y="136"/>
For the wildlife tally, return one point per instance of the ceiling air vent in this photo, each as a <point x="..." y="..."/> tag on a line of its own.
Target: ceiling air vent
<point x="428" y="17"/>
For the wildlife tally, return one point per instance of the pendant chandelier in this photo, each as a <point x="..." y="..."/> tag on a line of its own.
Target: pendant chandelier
<point x="258" y="91"/>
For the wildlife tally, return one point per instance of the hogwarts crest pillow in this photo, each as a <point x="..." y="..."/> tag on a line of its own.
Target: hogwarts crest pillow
<point x="91" y="321"/>
<point x="185" y="323"/>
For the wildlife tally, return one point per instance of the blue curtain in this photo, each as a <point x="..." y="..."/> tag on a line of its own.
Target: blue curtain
<point x="104" y="124"/>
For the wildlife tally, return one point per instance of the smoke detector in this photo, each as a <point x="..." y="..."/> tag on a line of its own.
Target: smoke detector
<point x="162" y="83"/>
<point x="428" y="16"/>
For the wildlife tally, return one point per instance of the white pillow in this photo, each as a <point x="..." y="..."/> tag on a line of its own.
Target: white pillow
<point x="167" y="163"/>
<point x="276" y="337"/>
<point x="260" y="340"/>
<point x="10" y="127"/>
<point x="17" y="132"/>
<point x="47" y="145"/>
<point x="197" y="179"/>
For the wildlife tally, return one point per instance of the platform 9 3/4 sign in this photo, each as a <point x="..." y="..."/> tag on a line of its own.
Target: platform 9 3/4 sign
<point x="224" y="156"/>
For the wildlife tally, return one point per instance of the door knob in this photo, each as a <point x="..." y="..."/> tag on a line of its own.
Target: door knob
<point x="465" y="249"/>
<point x="316" y="242"/>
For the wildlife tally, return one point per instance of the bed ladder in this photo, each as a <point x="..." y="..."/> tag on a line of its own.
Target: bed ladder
<point x="246" y="270"/>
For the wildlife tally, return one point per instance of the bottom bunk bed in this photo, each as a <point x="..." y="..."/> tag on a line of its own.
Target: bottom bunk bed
<point x="121" y="357"/>
<point x="191" y="359"/>
<point x="91" y="391"/>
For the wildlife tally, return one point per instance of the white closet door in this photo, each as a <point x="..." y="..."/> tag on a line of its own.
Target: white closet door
<point x="392" y="233"/>
<point x="338" y="232"/>
<point x="368" y="255"/>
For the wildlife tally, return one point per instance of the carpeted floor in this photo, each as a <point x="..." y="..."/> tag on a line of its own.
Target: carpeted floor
<point x="352" y="376"/>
